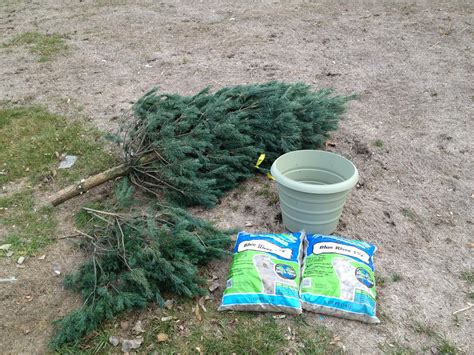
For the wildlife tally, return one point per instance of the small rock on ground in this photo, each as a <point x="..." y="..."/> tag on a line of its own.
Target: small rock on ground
<point x="130" y="344"/>
<point x="138" y="328"/>
<point x="114" y="340"/>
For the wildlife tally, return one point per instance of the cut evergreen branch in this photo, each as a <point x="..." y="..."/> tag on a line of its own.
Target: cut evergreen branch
<point x="194" y="148"/>
<point x="207" y="143"/>
<point x="87" y="184"/>
<point x="134" y="259"/>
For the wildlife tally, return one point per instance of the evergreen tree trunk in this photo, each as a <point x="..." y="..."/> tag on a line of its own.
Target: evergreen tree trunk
<point x="86" y="184"/>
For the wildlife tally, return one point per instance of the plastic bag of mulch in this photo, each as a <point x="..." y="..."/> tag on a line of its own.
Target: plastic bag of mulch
<point x="338" y="278"/>
<point x="265" y="273"/>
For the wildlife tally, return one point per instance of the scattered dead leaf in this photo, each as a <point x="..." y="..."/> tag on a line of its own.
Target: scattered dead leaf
<point x="201" y="303"/>
<point x="124" y="325"/>
<point x="138" y="328"/>
<point x="197" y="312"/>
<point x="214" y="285"/>
<point x="279" y="316"/>
<point x="162" y="337"/>
<point x="5" y="246"/>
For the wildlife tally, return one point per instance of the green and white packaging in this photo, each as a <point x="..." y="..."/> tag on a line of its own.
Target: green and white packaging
<point x="265" y="273"/>
<point x="338" y="278"/>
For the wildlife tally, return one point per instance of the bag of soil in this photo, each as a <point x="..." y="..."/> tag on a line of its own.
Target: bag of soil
<point x="338" y="278"/>
<point x="265" y="273"/>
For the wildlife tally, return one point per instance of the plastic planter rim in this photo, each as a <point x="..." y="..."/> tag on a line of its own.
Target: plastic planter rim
<point x="311" y="188"/>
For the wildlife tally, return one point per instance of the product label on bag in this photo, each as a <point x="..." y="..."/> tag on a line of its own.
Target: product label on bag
<point x="266" y="246"/>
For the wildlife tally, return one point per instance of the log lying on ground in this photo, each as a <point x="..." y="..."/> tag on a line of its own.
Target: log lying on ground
<point x="86" y="184"/>
<point x="95" y="180"/>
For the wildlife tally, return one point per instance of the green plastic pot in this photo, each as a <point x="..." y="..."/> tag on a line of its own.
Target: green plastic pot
<point x="313" y="186"/>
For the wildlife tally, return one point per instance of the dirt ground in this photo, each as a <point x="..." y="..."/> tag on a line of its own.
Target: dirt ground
<point x="410" y="63"/>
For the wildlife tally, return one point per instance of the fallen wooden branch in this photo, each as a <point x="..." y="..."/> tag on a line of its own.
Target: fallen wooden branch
<point x="86" y="184"/>
<point x="470" y="305"/>
<point x="10" y="279"/>
<point x="95" y="180"/>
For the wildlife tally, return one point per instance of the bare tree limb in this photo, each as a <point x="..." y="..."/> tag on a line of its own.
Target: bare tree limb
<point x="87" y="184"/>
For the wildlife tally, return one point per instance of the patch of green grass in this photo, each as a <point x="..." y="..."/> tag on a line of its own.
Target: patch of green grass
<point x="470" y="295"/>
<point x="30" y="137"/>
<point x="28" y="229"/>
<point x="269" y="194"/>
<point x="409" y="213"/>
<point x="395" y="348"/>
<point x="317" y="340"/>
<point x="382" y="314"/>
<point x="422" y="328"/>
<point x="396" y="277"/>
<point x="241" y="188"/>
<point x="445" y="347"/>
<point x="264" y="336"/>
<point x="301" y="320"/>
<point x="239" y="332"/>
<point x="379" y="280"/>
<point x="379" y="143"/>
<point x="99" y="344"/>
<point x="43" y="45"/>
<point x="467" y="276"/>
<point x="216" y="333"/>
<point x="86" y="221"/>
